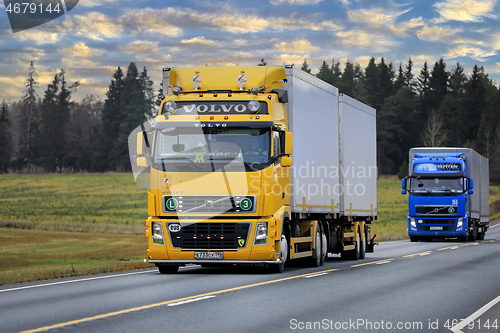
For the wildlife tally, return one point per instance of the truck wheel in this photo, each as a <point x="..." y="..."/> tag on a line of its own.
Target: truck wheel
<point x="316" y="259"/>
<point x="324" y="246"/>
<point x="362" y="248"/>
<point x="279" y="268"/>
<point x="167" y="269"/>
<point x="473" y="234"/>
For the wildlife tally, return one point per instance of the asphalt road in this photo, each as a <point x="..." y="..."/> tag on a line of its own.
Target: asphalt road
<point x="402" y="287"/>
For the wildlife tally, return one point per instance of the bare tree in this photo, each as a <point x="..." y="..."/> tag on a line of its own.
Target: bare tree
<point x="434" y="134"/>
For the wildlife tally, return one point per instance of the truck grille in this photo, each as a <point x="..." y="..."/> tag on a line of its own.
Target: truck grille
<point x="209" y="204"/>
<point x="210" y="236"/>
<point x="448" y="224"/>
<point x="436" y="210"/>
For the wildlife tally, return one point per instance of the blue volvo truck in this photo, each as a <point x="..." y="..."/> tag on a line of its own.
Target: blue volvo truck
<point x="448" y="194"/>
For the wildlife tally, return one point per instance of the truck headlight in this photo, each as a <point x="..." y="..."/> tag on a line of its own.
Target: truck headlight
<point x="157" y="233"/>
<point x="254" y="106"/>
<point x="260" y="234"/>
<point x="170" y="106"/>
<point x="412" y="222"/>
<point x="460" y="222"/>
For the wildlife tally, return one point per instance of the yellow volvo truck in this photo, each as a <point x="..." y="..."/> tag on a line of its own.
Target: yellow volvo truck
<point x="255" y="166"/>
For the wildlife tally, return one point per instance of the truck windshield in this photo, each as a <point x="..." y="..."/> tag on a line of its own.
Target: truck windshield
<point x="436" y="186"/>
<point x="210" y="149"/>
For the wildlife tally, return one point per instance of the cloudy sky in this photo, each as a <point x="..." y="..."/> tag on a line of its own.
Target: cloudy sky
<point x="97" y="36"/>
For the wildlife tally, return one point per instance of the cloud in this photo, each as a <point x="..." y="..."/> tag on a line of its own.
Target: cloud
<point x="288" y="59"/>
<point x="93" y="25"/>
<point x="466" y="51"/>
<point x="379" y="18"/>
<point x="465" y="10"/>
<point x="297" y="46"/>
<point x="438" y="34"/>
<point x="200" y="41"/>
<point x="150" y="21"/>
<point x="141" y="47"/>
<point x="80" y="50"/>
<point x="363" y="40"/>
<point x="40" y="37"/>
<point x="295" y="2"/>
<point x="96" y="3"/>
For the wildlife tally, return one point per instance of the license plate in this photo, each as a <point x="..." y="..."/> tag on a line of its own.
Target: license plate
<point x="208" y="255"/>
<point x="436" y="228"/>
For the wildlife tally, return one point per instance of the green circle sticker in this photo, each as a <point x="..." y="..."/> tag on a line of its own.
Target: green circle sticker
<point x="172" y="204"/>
<point x="451" y="210"/>
<point x="246" y="204"/>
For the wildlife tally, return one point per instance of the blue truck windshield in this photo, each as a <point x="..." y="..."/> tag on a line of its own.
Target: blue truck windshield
<point x="436" y="186"/>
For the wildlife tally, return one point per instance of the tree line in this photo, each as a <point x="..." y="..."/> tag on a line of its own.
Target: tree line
<point x="438" y="107"/>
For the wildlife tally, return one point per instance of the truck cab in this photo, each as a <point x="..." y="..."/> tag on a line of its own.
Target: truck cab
<point x="441" y="193"/>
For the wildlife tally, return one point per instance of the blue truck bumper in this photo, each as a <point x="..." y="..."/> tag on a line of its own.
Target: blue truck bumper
<point x="448" y="228"/>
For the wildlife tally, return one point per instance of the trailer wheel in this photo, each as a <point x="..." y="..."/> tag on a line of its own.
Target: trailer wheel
<point x="279" y="268"/>
<point x="167" y="269"/>
<point x="362" y="249"/>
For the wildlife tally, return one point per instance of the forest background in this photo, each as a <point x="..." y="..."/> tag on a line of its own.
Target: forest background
<point x="440" y="106"/>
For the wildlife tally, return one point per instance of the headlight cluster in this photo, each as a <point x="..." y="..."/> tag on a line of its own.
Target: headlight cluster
<point x="157" y="233"/>
<point x="460" y="224"/>
<point x="260" y="234"/>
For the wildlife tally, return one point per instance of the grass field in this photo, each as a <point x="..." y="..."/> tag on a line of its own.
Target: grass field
<point x="63" y="225"/>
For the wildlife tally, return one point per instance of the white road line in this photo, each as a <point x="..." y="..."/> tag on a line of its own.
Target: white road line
<point x="79" y="280"/>
<point x="190" y="300"/>
<point x="382" y="262"/>
<point x="314" y="275"/>
<point x="458" y="327"/>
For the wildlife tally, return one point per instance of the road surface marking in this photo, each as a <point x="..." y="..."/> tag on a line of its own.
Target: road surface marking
<point x="314" y="275"/>
<point x="458" y="327"/>
<point x="382" y="262"/>
<point x="454" y="247"/>
<point x="489" y="241"/>
<point x="374" y="262"/>
<point x="79" y="280"/>
<point x="139" y="308"/>
<point x="190" y="300"/>
<point x="417" y="254"/>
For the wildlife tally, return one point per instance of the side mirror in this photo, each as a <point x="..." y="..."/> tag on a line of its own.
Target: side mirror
<point x="142" y="162"/>
<point x="286" y="161"/>
<point x="403" y="185"/>
<point x="471" y="183"/>
<point x="288" y="144"/>
<point x="139" y="143"/>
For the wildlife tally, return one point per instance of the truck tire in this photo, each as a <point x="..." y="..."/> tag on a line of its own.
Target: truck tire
<point x="473" y="234"/>
<point x="362" y="249"/>
<point x="279" y="268"/>
<point x="167" y="269"/>
<point x="316" y="258"/>
<point x="324" y="246"/>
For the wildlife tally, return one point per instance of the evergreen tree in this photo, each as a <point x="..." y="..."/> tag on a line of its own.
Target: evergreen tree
<point x="386" y="80"/>
<point x="55" y="117"/>
<point x="5" y="138"/>
<point x="112" y="114"/>
<point x="347" y="81"/>
<point x="400" y="80"/>
<point x="262" y="62"/>
<point x="132" y="104"/>
<point x="159" y="96"/>
<point x="369" y="88"/>
<point x="325" y="73"/>
<point x="408" y="75"/>
<point x="438" y="83"/>
<point x="29" y="118"/>
<point x="305" y="67"/>
<point x="147" y="89"/>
